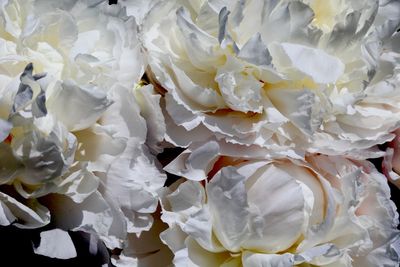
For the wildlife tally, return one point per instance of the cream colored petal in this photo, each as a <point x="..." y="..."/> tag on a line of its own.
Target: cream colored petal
<point x="77" y="107"/>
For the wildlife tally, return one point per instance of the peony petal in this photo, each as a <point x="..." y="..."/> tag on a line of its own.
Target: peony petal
<point x="297" y="105"/>
<point x="199" y="44"/>
<point x="122" y="118"/>
<point x="5" y="128"/>
<point x="201" y="257"/>
<point x="56" y="244"/>
<point x="132" y="180"/>
<point x="227" y="200"/>
<point x="199" y="226"/>
<point x="149" y="102"/>
<point x="275" y="227"/>
<point x="79" y="185"/>
<point x="194" y="164"/>
<point x="77" y="107"/>
<point x="28" y="216"/>
<point x="255" y="51"/>
<point x="315" y="63"/>
<point x="267" y="260"/>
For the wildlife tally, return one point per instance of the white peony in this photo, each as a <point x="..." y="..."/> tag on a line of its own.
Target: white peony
<point x="287" y="76"/>
<point x="72" y="139"/>
<point x="325" y="211"/>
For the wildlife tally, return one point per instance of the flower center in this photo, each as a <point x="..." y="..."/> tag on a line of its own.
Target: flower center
<point x="325" y="13"/>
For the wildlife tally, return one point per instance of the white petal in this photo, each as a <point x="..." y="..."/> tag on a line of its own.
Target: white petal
<point x="315" y="63"/>
<point x="195" y="164"/>
<point x="199" y="226"/>
<point x="186" y="200"/>
<point x="56" y="244"/>
<point x="200" y="257"/>
<point x="149" y="102"/>
<point x="255" y="51"/>
<point x="267" y="260"/>
<point x="32" y="215"/>
<point x="6" y="216"/>
<point x="275" y="227"/>
<point x="297" y="105"/>
<point x="79" y="185"/>
<point x="198" y="43"/>
<point x="135" y="170"/>
<point x="5" y="128"/>
<point x="122" y="118"/>
<point x="227" y="200"/>
<point x="77" y="107"/>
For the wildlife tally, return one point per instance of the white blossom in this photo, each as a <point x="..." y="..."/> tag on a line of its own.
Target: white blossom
<point x="73" y="142"/>
<point x="283" y="76"/>
<point x="325" y="211"/>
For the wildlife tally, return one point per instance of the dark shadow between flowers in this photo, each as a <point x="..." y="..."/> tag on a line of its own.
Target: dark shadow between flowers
<point x="16" y="247"/>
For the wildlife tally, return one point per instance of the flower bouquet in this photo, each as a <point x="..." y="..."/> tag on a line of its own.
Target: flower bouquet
<point x="210" y="133"/>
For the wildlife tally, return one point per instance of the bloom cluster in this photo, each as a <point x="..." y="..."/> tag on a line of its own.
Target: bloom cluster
<point x="203" y="132"/>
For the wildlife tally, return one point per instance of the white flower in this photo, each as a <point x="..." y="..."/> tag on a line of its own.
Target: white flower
<point x="288" y="76"/>
<point x="70" y="40"/>
<point x="327" y="211"/>
<point x="72" y="138"/>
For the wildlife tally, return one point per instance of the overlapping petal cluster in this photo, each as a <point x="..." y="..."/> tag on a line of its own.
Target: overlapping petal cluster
<point x="287" y="76"/>
<point x="203" y="132"/>
<point x="325" y="211"/>
<point x="72" y="137"/>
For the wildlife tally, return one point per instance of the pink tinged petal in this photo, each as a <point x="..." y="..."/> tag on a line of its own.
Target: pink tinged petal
<point x="56" y="244"/>
<point x="310" y="183"/>
<point x="387" y="167"/>
<point x="396" y="151"/>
